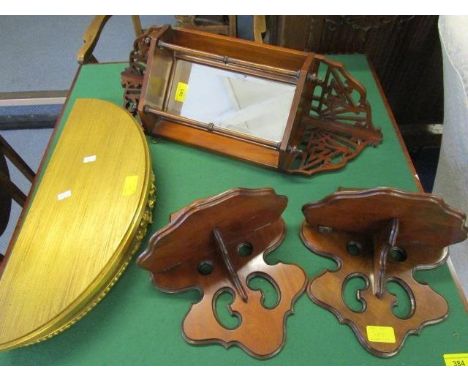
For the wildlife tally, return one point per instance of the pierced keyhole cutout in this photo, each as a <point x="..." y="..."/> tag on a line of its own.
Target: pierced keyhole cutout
<point x="402" y="307"/>
<point x="350" y="291"/>
<point x="397" y="254"/>
<point x="205" y="267"/>
<point x="223" y="313"/>
<point x="354" y="248"/>
<point x="244" y="249"/>
<point x="268" y="288"/>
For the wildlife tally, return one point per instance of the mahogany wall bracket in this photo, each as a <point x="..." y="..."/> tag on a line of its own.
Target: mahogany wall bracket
<point x="328" y="122"/>
<point x="218" y="245"/>
<point x="382" y="236"/>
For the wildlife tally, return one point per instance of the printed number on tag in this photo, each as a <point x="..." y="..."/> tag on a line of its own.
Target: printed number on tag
<point x="460" y="359"/>
<point x="181" y="91"/>
<point x="383" y="334"/>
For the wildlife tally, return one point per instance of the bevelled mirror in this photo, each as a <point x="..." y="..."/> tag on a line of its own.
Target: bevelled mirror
<point x="295" y="111"/>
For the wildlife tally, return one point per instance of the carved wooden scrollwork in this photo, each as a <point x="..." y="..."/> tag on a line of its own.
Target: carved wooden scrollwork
<point x="381" y="236"/>
<point x="337" y="125"/>
<point x="132" y="76"/>
<point x="364" y="23"/>
<point x="217" y="245"/>
<point x="329" y="121"/>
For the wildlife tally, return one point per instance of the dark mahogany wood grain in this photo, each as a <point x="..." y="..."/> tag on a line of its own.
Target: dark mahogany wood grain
<point x="393" y="233"/>
<point x="202" y="248"/>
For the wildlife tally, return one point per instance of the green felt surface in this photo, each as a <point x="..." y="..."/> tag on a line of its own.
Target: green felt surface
<point x="138" y="325"/>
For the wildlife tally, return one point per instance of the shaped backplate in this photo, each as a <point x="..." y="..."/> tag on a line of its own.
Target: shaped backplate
<point x="381" y="236"/>
<point x="218" y="245"/>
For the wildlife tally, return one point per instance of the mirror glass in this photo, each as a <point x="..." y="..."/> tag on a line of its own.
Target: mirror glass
<point x="241" y="103"/>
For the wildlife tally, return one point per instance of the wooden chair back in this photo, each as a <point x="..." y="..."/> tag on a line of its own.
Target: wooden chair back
<point x="9" y="191"/>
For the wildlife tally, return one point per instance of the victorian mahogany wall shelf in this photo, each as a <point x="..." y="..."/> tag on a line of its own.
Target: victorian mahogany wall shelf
<point x="218" y="245"/>
<point x="87" y="217"/>
<point x="295" y="111"/>
<point x="381" y="235"/>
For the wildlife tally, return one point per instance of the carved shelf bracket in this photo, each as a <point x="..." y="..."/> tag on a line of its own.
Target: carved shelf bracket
<point x="217" y="245"/>
<point x="381" y="236"/>
<point x="336" y="122"/>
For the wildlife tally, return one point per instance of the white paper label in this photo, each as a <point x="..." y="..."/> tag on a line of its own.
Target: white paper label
<point x="89" y="159"/>
<point x="64" y="195"/>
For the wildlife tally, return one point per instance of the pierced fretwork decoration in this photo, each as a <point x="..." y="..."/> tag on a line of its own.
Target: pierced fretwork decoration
<point x="132" y="77"/>
<point x="381" y="236"/>
<point x="329" y="121"/>
<point x="217" y="245"/>
<point x="337" y="121"/>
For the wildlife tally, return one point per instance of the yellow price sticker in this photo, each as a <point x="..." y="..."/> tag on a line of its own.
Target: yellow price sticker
<point x="383" y="334"/>
<point x="460" y="359"/>
<point x="181" y="92"/>
<point x="130" y="185"/>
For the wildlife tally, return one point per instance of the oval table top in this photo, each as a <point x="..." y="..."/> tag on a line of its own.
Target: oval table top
<point x="84" y="222"/>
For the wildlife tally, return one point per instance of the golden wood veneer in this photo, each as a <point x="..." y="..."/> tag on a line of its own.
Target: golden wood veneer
<point x="88" y="216"/>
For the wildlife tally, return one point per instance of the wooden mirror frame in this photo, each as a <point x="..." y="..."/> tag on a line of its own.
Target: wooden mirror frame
<point x="329" y="122"/>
